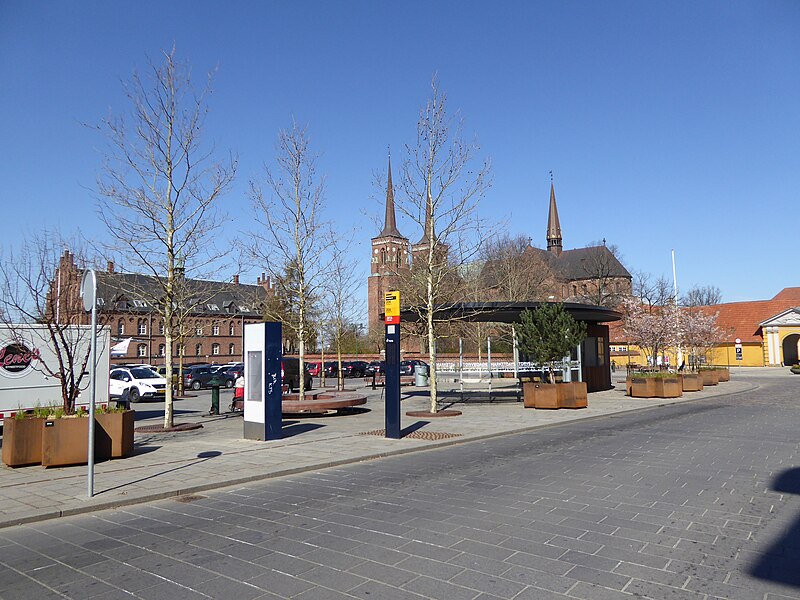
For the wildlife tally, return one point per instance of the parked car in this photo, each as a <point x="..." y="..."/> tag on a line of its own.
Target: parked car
<point x="376" y="366"/>
<point x="141" y="382"/>
<point x="404" y="365"/>
<point x="290" y="373"/>
<point x="355" y="368"/>
<point x="234" y="371"/>
<point x="315" y="368"/>
<point x="198" y="377"/>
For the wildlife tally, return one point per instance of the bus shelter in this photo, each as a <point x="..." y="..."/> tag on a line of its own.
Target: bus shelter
<point x="591" y="361"/>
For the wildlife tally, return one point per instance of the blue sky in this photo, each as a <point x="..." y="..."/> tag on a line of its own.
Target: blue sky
<point x="666" y="124"/>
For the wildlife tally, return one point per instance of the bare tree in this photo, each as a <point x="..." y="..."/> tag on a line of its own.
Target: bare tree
<point x="293" y="236"/>
<point x="605" y="276"/>
<point x="36" y="292"/>
<point x="707" y="295"/>
<point x="159" y="188"/>
<point x="442" y="186"/>
<point x="653" y="292"/>
<point x="514" y="271"/>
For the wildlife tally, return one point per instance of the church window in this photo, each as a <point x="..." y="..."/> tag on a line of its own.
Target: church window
<point x="383" y="256"/>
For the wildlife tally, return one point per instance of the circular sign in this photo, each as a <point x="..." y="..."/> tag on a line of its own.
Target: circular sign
<point x="89" y="289"/>
<point x="16" y="358"/>
<point x="738" y="340"/>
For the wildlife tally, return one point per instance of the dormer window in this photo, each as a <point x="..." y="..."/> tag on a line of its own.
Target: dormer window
<point x="140" y="304"/>
<point x="212" y="306"/>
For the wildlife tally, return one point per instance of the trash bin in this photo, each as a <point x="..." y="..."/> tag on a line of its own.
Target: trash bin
<point x="215" y="385"/>
<point x="420" y="375"/>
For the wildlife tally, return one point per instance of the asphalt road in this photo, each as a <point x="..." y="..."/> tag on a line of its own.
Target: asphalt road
<point x="695" y="500"/>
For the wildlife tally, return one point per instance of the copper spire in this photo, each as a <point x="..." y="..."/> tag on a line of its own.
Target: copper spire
<point x="553" y="226"/>
<point x="390" y="223"/>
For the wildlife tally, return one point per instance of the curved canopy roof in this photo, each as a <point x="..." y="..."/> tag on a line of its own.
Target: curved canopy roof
<point x="509" y="312"/>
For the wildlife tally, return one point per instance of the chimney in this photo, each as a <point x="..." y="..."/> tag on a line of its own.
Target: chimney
<point x="111" y="266"/>
<point x="235" y="280"/>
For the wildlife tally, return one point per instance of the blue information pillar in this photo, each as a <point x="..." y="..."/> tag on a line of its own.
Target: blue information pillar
<point x="262" y="383"/>
<point x="392" y="379"/>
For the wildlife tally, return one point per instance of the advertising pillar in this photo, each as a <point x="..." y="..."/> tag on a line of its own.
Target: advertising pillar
<point x="262" y="383"/>
<point x="392" y="321"/>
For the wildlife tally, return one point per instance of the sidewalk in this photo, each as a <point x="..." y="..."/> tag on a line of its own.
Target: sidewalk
<point x="216" y="456"/>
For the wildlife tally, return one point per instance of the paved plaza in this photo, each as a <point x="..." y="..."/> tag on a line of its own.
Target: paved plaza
<point x="698" y="498"/>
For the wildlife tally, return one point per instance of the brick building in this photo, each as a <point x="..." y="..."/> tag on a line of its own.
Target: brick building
<point x="215" y="313"/>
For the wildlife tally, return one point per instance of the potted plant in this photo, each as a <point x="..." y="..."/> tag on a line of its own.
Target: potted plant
<point x="691" y="382"/>
<point x="641" y="385"/>
<point x="667" y="385"/>
<point x="22" y="438"/>
<point x="709" y="375"/>
<point x="113" y="434"/>
<point x="65" y="439"/>
<point x="548" y="334"/>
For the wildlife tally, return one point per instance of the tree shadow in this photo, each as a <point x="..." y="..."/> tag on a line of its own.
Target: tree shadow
<point x="780" y="562"/>
<point x="297" y="428"/>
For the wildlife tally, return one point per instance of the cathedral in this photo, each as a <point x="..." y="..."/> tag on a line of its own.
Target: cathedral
<point x="591" y="275"/>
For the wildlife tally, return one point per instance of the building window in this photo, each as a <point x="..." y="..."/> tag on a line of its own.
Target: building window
<point x="198" y="350"/>
<point x="232" y="328"/>
<point x="121" y="327"/>
<point x="161" y="327"/>
<point x="198" y="329"/>
<point x="383" y="256"/>
<point x="574" y="290"/>
<point x="215" y="330"/>
<point x="231" y="349"/>
<point x="142" y="327"/>
<point x="162" y="350"/>
<point x="141" y="350"/>
<point x="215" y="349"/>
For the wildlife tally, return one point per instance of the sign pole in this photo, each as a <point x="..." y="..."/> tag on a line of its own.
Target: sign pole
<point x="89" y="293"/>
<point x="392" y="378"/>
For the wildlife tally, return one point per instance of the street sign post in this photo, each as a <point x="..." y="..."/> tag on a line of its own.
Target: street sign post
<point x="392" y="377"/>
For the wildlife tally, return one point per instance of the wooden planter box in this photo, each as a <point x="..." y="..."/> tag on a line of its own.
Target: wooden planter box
<point x="642" y="387"/>
<point x="668" y="387"/>
<point x="710" y="377"/>
<point x="22" y="441"/>
<point x="113" y="434"/>
<point x="572" y="395"/>
<point x="724" y="374"/>
<point x="540" y="395"/>
<point x="65" y="441"/>
<point x="692" y="382"/>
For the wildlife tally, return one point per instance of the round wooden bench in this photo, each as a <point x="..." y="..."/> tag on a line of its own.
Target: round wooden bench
<point x="320" y="402"/>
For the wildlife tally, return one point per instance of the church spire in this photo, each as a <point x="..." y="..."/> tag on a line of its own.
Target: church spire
<point x="428" y="224"/>
<point x="390" y="223"/>
<point x="553" y="225"/>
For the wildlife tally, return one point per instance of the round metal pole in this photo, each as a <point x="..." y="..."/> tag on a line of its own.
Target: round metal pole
<point x="93" y="375"/>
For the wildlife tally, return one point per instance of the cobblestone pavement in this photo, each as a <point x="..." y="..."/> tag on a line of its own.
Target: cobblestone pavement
<point x="690" y="500"/>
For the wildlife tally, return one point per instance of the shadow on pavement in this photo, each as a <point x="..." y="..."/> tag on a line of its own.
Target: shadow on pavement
<point x="202" y="457"/>
<point x="152" y="414"/>
<point x="780" y="562"/>
<point x="413" y="427"/>
<point x="291" y="428"/>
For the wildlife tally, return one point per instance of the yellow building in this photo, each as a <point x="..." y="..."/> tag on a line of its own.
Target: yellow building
<point x="759" y="333"/>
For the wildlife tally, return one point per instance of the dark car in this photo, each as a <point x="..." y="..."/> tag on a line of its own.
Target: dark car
<point x="199" y="377"/>
<point x="377" y="366"/>
<point x="355" y="368"/>
<point x="407" y="367"/>
<point x="290" y="374"/>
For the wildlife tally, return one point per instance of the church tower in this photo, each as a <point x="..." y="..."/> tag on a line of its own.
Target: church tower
<point x="389" y="260"/>
<point x="553" y="225"/>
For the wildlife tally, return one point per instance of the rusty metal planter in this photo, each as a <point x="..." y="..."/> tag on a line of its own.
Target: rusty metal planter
<point x="642" y="387"/>
<point x="540" y="395"/>
<point x="572" y="395"/>
<point x="114" y="434"/>
<point x="22" y="441"/>
<point x="668" y="387"/>
<point x="65" y="441"/>
<point x="692" y="382"/>
<point x="710" y="377"/>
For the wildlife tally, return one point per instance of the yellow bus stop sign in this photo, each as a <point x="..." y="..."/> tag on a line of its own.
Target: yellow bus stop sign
<point x="391" y="307"/>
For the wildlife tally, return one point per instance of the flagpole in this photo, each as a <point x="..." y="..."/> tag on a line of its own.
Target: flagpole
<point x="679" y="357"/>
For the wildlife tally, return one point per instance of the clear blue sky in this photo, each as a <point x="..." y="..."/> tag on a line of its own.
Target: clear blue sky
<point x="667" y="124"/>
